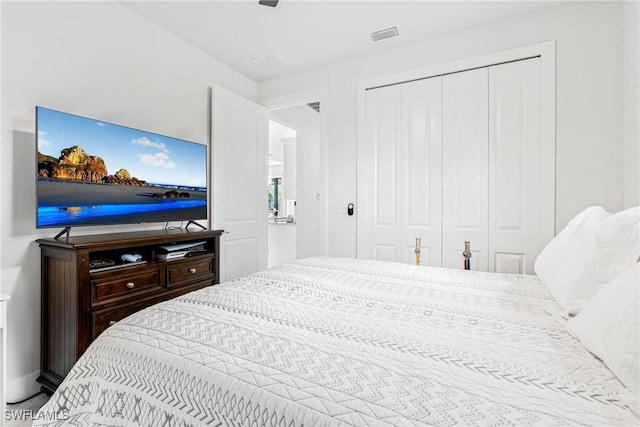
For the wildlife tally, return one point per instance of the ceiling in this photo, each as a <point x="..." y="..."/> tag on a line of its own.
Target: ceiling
<point x="309" y="34"/>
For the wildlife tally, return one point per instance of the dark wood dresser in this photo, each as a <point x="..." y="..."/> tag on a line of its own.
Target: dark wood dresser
<point x="82" y="295"/>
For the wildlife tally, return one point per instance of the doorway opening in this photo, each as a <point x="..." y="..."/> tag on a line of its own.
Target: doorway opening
<point x="293" y="183"/>
<point x="281" y="190"/>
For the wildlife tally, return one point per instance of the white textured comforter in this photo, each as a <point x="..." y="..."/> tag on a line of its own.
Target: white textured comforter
<point x="339" y="341"/>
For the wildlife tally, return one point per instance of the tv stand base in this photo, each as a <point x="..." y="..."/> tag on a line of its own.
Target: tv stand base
<point x="194" y="223"/>
<point x="67" y="231"/>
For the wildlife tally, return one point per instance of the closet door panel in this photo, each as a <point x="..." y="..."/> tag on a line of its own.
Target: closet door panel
<point x="421" y="179"/>
<point x="378" y="231"/>
<point x="465" y="168"/>
<point x="514" y="166"/>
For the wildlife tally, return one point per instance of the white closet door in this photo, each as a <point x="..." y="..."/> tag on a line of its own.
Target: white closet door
<point x="421" y="178"/>
<point x="514" y="166"/>
<point x="379" y="232"/>
<point x="465" y="168"/>
<point x="239" y="163"/>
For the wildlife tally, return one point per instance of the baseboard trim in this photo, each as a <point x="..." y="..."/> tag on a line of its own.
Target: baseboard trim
<point x="23" y="387"/>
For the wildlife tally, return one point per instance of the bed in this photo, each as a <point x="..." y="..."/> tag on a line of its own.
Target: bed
<point x="334" y="341"/>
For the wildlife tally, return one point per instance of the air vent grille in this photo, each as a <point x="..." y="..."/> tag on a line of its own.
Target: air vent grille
<point x="270" y="62"/>
<point x="384" y="34"/>
<point x="314" y="106"/>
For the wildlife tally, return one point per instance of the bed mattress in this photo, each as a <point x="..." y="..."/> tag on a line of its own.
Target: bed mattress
<point x="331" y="341"/>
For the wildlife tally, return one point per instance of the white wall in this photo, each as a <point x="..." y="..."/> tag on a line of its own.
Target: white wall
<point x="282" y="243"/>
<point x="97" y="59"/>
<point x="289" y="172"/>
<point x="631" y="88"/>
<point x="588" y="96"/>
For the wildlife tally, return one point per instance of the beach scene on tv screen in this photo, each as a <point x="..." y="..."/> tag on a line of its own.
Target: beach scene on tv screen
<point x="92" y="172"/>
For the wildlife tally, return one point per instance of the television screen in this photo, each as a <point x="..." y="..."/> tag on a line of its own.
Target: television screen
<point x="91" y="172"/>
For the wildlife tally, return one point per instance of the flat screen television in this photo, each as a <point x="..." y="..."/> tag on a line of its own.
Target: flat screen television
<point x="91" y="172"/>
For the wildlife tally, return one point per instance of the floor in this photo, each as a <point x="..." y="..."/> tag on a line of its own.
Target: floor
<point x="21" y="414"/>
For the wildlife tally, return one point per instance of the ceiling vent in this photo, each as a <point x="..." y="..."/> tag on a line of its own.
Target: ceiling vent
<point x="270" y="62"/>
<point x="315" y="106"/>
<point x="384" y="34"/>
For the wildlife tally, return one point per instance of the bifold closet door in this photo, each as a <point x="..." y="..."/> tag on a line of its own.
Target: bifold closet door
<point x="465" y="195"/>
<point x="421" y="178"/>
<point x="514" y="166"/>
<point x="399" y="173"/>
<point x="451" y="159"/>
<point x="378" y="235"/>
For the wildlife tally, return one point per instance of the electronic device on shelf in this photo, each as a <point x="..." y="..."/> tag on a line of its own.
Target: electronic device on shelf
<point x="171" y="255"/>
<point x="114" y="266"/>
<point x="131" y="257"/>
<point x="169" y="252"/>
<point x="197" y="249"/>
<point x="104" y="264"/>
<point x="99" y="263"/>
<point x="182" y="246"/>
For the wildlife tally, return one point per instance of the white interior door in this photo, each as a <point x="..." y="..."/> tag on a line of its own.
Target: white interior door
<point x="465" y="168"/>
<point x="239" y="163"/>
<point x="514" y="166"/>
<point x="421" y="178"/>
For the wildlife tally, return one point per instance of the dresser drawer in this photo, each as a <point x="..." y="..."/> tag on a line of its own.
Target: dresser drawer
<point x="116" y="288"/>
<point x="190" y="271"/>
<point x="102" y="319"/>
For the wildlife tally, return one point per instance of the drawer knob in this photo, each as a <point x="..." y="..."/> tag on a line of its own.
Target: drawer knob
<point x="112" y="322"/>
<point x="131" y="285"/>
<point x="192" y="270"/>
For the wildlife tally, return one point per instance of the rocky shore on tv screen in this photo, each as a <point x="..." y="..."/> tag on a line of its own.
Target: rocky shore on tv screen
<point x="76" y="165"/>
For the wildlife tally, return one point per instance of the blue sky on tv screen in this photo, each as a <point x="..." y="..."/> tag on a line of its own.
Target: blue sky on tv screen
<point x="147" y="156"/>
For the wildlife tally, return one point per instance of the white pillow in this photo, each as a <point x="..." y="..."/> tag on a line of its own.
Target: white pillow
<point x="550" y="260"/>
<point x="609" y="324"/>
<point x="594" y="256"/>
<point x="595" y="249"/>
